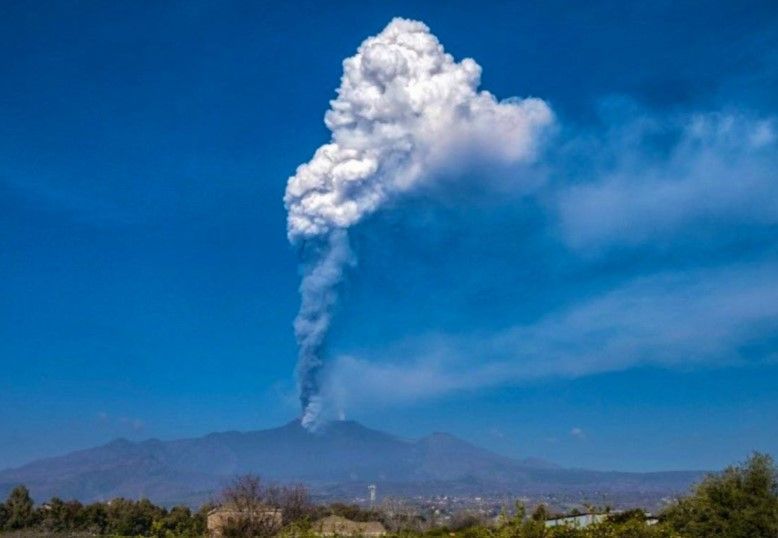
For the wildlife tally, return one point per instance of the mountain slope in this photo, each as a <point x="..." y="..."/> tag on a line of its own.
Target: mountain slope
<point x="340" y="461"/>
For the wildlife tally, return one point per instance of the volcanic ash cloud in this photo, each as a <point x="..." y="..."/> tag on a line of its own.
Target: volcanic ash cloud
<point x="406" y="114"/>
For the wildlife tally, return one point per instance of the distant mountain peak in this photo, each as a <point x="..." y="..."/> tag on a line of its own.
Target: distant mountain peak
<point x="119" y="442"/>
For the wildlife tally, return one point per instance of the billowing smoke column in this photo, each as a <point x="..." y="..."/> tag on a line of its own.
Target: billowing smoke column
<point x="406" y="113"/>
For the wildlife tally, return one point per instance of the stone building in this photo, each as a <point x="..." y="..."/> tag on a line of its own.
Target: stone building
<point x="220" y="517"/>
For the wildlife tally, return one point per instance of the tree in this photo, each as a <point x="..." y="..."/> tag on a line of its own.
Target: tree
<point x="465" y="519"/>
<point x="741" y="502"/>
<point x="178" y="522"/>
<point x="131" y="518"/>
<point x="294" y="502"/>
<point x="19" y="508"/>
<point x="93" y="518"/>
<point x="254" y="515"/>
<point x="3" y="516"/>
<point x="541" y="513"/>
<point x="635" y="514"/>
<point x="60" y="516"/>
<point x="200" y="518"/>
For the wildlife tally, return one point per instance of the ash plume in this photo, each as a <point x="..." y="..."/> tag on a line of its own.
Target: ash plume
<point x="406" y="114"/>
<point x="327" y="258"/>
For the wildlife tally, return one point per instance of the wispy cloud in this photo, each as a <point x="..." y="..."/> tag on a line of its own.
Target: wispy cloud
<point x="59" y="196"/>
<point x="673" y="319"/>
<point x="122" y="423"/>
<point x="720" y="171"/>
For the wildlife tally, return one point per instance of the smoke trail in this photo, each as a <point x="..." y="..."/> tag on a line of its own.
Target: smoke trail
<point x="318" y="293"/>
<point x="406" y="113"/>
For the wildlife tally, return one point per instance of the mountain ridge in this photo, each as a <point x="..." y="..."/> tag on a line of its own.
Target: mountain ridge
<point x="336" y="462"/>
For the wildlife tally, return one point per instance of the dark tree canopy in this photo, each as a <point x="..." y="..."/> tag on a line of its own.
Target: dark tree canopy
<point x="20" y="509"/>
<point x="741" y="502"/>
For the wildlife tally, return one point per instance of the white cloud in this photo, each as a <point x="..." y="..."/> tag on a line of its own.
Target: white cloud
<point x="405" y="111"/>
<point x="721" y="172"/>
<point x="672" y="319"/>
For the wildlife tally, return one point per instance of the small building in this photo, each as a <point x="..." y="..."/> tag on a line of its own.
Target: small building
<point x="340" y="526"/>
<point x="220" y="517"/>
<point x="577" y="522"/>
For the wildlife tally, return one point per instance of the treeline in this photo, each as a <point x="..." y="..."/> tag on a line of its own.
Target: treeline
<point x="119" y="517"/>
<point x="741" y="502"/>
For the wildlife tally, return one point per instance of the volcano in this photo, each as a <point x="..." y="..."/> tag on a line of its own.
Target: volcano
<point x="337" y="462"/>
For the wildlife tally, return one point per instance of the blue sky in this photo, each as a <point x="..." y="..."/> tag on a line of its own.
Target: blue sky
<point x="621" y="312"/>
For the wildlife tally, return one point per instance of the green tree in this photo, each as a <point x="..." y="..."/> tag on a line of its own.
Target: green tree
<point x="200" y="518"/>
<point x="533" y="528"/>
<point x="3" y="516"/>
<point x="20" y="509"/>
<point x="178" y="522"/>
<point x="511" y="526"/>
<point x="93" y="519"/>
<point x="741" y="502"/>
<point x="59" y="516"/>
<point x="131" y="518"/>
<point x="541" y="513"/>
<point x="635" y="514"/>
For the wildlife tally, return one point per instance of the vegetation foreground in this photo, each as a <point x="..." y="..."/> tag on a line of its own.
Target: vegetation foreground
<point x="741" y="502"/>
